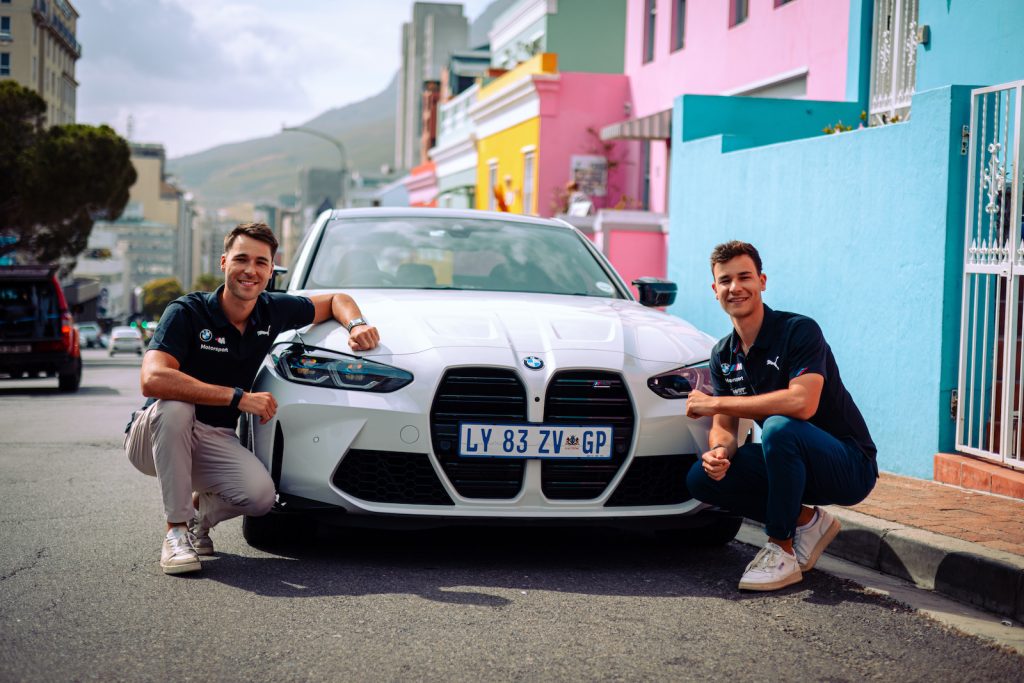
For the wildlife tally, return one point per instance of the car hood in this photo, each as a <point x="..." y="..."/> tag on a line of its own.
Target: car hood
<point x="413" y="321"/>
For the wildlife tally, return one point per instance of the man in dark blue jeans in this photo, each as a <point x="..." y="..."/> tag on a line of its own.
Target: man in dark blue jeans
<point x="776" y="368"/>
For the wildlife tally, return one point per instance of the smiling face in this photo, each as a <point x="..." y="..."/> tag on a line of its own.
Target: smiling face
<point x="247" y="267"/>
<point x="738" y="286"/>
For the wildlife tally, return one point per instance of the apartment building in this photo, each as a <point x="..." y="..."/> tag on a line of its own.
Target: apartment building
<point x="38" y="49"/>
<point x="435" y="31"/>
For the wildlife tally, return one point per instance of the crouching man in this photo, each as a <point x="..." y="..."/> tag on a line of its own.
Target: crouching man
<point x="777" y="369"/>
<point x="206" y="351"/>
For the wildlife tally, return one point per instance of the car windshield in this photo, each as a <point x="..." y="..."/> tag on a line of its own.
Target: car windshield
<point x="28" y="309"/>
<point x="425" y="252"/>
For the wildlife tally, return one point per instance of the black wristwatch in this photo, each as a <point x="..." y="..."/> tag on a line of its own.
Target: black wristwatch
<point x="354" y="322"/>
<point x="237" y="397"/>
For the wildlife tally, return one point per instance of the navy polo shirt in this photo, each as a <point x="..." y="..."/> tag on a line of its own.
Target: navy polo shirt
<point x="787" y="346"/>
<point x="195" y="331"/>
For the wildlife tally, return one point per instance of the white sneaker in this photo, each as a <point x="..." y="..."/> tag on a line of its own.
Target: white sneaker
<point x="771" y="569"/>
<point x="810" y="542"/>
<point x="177" y="556"/>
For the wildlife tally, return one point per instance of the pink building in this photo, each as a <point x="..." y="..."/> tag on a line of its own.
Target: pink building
<point x="794" y="49"/>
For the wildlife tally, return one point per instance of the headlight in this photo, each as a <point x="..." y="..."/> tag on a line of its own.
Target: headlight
<point x="680" y="382"/>
<point x="321" y="368"/>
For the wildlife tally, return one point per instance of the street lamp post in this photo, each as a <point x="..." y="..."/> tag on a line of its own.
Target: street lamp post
<point x="334" y="141"/>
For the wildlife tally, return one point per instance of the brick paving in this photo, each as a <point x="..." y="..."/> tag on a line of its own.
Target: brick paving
<point x="993" y="521"/>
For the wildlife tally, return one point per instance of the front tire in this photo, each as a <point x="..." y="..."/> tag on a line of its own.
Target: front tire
<point x="271" y="530"/>
<point x="719" y="531"/>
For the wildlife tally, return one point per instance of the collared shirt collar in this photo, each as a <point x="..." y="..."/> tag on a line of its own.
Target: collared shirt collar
<point x="763" y="334"/>
<point x="217" y="312"/>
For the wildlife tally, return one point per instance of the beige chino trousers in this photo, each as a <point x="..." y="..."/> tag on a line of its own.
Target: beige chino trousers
<point x="185" y="455"/>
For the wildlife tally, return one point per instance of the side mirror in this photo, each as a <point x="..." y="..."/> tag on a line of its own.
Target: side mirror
<point x="655" y="292"/>
<point x="275" y="278"/>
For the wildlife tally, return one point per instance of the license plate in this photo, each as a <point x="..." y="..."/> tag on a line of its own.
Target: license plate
<point x="477" y="440"/>
<point x="15" y="348"/>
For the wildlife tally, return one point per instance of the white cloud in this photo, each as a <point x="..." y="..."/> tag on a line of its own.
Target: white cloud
<point x="194" y="74"/>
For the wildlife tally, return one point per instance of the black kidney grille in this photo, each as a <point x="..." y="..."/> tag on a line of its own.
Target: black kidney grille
<point x="654" y="480"/>
<point x="390" y="477"/>
<point x="585" y="397"/>
<point x="477" y="395"/>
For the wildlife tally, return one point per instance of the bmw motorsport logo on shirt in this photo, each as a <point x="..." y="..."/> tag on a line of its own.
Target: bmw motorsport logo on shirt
<point x="205" y="335"/>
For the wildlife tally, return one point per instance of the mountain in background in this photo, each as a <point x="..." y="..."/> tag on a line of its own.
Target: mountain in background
<point x="263" y="169"/>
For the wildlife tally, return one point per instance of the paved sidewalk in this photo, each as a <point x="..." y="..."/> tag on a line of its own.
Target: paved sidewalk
<point x="964" y="544"/>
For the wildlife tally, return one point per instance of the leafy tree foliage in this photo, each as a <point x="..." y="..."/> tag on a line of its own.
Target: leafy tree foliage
<point x="156" y="294"/>
<point x="207" y="282"/>
<point x="55" y="182"/>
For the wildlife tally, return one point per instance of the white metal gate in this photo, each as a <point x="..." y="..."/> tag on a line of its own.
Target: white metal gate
<point x="991" y="384"/>
<point x="894" y="39"/>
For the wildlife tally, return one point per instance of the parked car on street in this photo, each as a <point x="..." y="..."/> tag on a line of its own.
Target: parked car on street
<point x="517" y="380"/>
<point x="37" y="331"/>
<point x="89" y="335"/>
<point x="125" y="340"/>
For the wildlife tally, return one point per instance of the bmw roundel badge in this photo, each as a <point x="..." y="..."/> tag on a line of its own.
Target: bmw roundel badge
<point x="206" y="335"/>
<point x="533" y="362"/>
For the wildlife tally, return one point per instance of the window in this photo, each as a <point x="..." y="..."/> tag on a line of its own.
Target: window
<point x="5" y="27"/>
<point x="528" y="180"/>
<point x="738" y="11"/>
<point x="649" y="15"/>
<point x="678" y="24"/>
<point x="645" y="170"/>
<point x="492" y="184"/>
<point x="5" y="63"/>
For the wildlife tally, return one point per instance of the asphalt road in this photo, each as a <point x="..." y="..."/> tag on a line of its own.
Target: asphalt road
<point x="82" y="596"/>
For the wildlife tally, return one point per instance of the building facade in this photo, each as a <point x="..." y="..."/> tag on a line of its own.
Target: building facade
<point x="436" y="29"/>
<point x="790" y="49"/>
<point x="898" y="237"/>
<point x="38" y="49"/>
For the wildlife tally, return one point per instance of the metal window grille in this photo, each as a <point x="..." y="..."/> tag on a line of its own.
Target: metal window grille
<point x="990" y="394"/>
<point x="893" y="59"/>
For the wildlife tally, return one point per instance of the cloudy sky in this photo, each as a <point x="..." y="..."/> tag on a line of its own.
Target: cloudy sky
<point x="193" y="74"/>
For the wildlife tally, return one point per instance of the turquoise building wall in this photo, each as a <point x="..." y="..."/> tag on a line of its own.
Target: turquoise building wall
<point x="588" y="35"/>
<point x="972" y="42"/>
<point x="861" y="230"/>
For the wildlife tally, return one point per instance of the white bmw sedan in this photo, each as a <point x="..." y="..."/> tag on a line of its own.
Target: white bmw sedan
<point x="517" y="380"/>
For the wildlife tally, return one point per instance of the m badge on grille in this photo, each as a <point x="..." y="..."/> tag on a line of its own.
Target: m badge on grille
<point x="533" y="362"/>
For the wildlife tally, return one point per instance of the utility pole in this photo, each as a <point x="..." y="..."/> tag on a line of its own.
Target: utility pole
<point x="341" y="151"/>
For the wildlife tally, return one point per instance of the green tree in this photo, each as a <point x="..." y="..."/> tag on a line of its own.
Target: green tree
<point x="156" y="294"/>
<point x="207" y="282"/>
<point x="55" y="182"/>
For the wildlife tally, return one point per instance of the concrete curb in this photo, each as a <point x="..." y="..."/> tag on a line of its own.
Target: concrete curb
<point x="990" y="579"/>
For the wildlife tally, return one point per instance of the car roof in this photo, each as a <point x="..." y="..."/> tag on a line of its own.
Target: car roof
<point x="123" y="328"/>
<point x="465" y="214"/>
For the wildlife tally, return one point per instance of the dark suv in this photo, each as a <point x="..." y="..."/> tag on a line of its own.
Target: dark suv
<point x="37" y="332"/>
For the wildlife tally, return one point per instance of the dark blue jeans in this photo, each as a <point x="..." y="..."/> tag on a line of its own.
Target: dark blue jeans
<point x="795" y="463"/>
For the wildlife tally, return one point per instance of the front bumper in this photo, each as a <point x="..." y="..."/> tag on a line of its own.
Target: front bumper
<point x="368" y="454"/>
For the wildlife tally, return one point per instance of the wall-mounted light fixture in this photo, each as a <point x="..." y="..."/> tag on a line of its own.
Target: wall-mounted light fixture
<point x="924" y="34"/>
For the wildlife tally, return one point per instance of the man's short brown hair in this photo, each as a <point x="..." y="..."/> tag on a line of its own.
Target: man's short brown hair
<point x="257" y="231"/>
<point x="727" y="251"/>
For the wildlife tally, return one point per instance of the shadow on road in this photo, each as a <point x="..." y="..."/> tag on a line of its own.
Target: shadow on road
<point x="464" y="566"/>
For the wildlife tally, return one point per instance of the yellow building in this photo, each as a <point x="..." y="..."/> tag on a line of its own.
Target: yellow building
<point x="507" y="115"/>
<point x="38" y="49"/>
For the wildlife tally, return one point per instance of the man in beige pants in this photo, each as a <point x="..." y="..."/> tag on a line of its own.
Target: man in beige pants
<point x="207" y="347"/>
